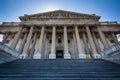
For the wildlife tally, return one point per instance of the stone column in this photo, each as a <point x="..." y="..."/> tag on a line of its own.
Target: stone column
<point x="66" y="51"/>
<point x="79" y="44"/>
<point x="52" y="55"/>
<point x="114" y="37"/>
<point x="95" y="54"/>
<point x="32" y="50"/>
<point x="22" y="44"/>
<point x="96" y="43"/>
<point x="26" y="47"/>
<point x="37" y="55"/>
<point x="103" y="38"/>
<point x="5" y="37"/>
<point x="86" y="46"/>
<point x="16" y="38"/>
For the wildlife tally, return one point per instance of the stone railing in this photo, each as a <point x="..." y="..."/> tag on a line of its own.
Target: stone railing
<point x="10" y="23"/>
<point x="114" y="22"/>
<point x="112" y="54"/>
<point x="7" y="54"/>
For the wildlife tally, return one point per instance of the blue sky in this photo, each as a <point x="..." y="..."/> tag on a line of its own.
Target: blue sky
<point x="10" y="10"/>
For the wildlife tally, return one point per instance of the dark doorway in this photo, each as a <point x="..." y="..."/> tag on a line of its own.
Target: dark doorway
<point x="59" y="54"/>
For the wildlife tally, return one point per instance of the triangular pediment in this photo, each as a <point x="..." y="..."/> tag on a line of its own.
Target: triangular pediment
<point x="60" y="14"/>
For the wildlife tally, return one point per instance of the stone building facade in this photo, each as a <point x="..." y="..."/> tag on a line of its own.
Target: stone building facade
<point x="59" y="34"/>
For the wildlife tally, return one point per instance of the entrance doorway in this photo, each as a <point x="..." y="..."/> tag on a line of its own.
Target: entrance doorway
<point x="59" y="54"/>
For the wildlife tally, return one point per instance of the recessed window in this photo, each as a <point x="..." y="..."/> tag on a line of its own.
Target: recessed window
<point x="68" y="41"/>
<point x="50" y="41"/>
<point x="7" y="41"/>
<point x="59" y="40"/>
<point x="112" y="41"/>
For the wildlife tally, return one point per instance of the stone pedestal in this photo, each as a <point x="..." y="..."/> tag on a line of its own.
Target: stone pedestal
<point x="67" y="56"/>
<point x="97" y="56"/>
<point x="82" y="56"/>
<point x="37" y="56"/>
<point x="52" y="56"/>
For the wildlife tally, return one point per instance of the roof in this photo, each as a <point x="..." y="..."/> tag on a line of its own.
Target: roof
<point x="60" y="14"/>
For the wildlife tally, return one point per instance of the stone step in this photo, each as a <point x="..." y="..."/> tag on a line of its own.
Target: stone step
<point x="82" y="75"/>
<point x="60" y="69"/>
<point x="59" y="78"/>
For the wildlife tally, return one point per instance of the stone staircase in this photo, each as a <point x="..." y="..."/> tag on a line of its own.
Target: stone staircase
<point x="60" y="69"/>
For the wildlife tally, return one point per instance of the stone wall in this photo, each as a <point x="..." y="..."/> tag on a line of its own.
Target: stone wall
<point x="112" y="54"/>
<point x="7" y="54"/>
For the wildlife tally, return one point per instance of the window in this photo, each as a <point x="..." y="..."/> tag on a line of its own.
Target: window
<point x="68" y="41"/>
<point x="7" y="41"/>
<point x="59" y="41"/>
<point x="112" y="41"/>
<point x="50" y="41"/>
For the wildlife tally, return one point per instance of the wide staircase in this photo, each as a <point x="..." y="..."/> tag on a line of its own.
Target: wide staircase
<point x="60" y="69"/>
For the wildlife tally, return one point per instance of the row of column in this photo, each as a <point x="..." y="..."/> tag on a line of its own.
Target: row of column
<point x="27" y="39"/>
<point x="79" y="43"/>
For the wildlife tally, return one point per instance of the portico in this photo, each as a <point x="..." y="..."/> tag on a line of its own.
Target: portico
<point x="66" y="35"/>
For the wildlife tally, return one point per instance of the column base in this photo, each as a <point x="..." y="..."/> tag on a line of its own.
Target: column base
<point x="82" y="56"/>
<point x="23" y="56"/>
<point x="67" y="56"/>
<point x="52" y="56"/>
<point x="37" y="56"/>
<point x="96" y="56"/>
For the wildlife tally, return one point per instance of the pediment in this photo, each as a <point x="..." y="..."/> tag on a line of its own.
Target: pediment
<point x="59" y="14"/>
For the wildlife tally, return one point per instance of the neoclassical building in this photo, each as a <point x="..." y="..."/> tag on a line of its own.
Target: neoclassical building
<point x="59" y="34"/>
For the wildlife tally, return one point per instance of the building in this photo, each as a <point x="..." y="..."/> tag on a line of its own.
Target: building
<point x="59" y="34"/>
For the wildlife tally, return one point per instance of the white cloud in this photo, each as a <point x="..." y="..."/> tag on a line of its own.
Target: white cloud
<point x="49" y="7"/>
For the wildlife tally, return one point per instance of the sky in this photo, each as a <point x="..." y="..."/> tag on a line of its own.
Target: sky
<point x="10" y="10"/>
